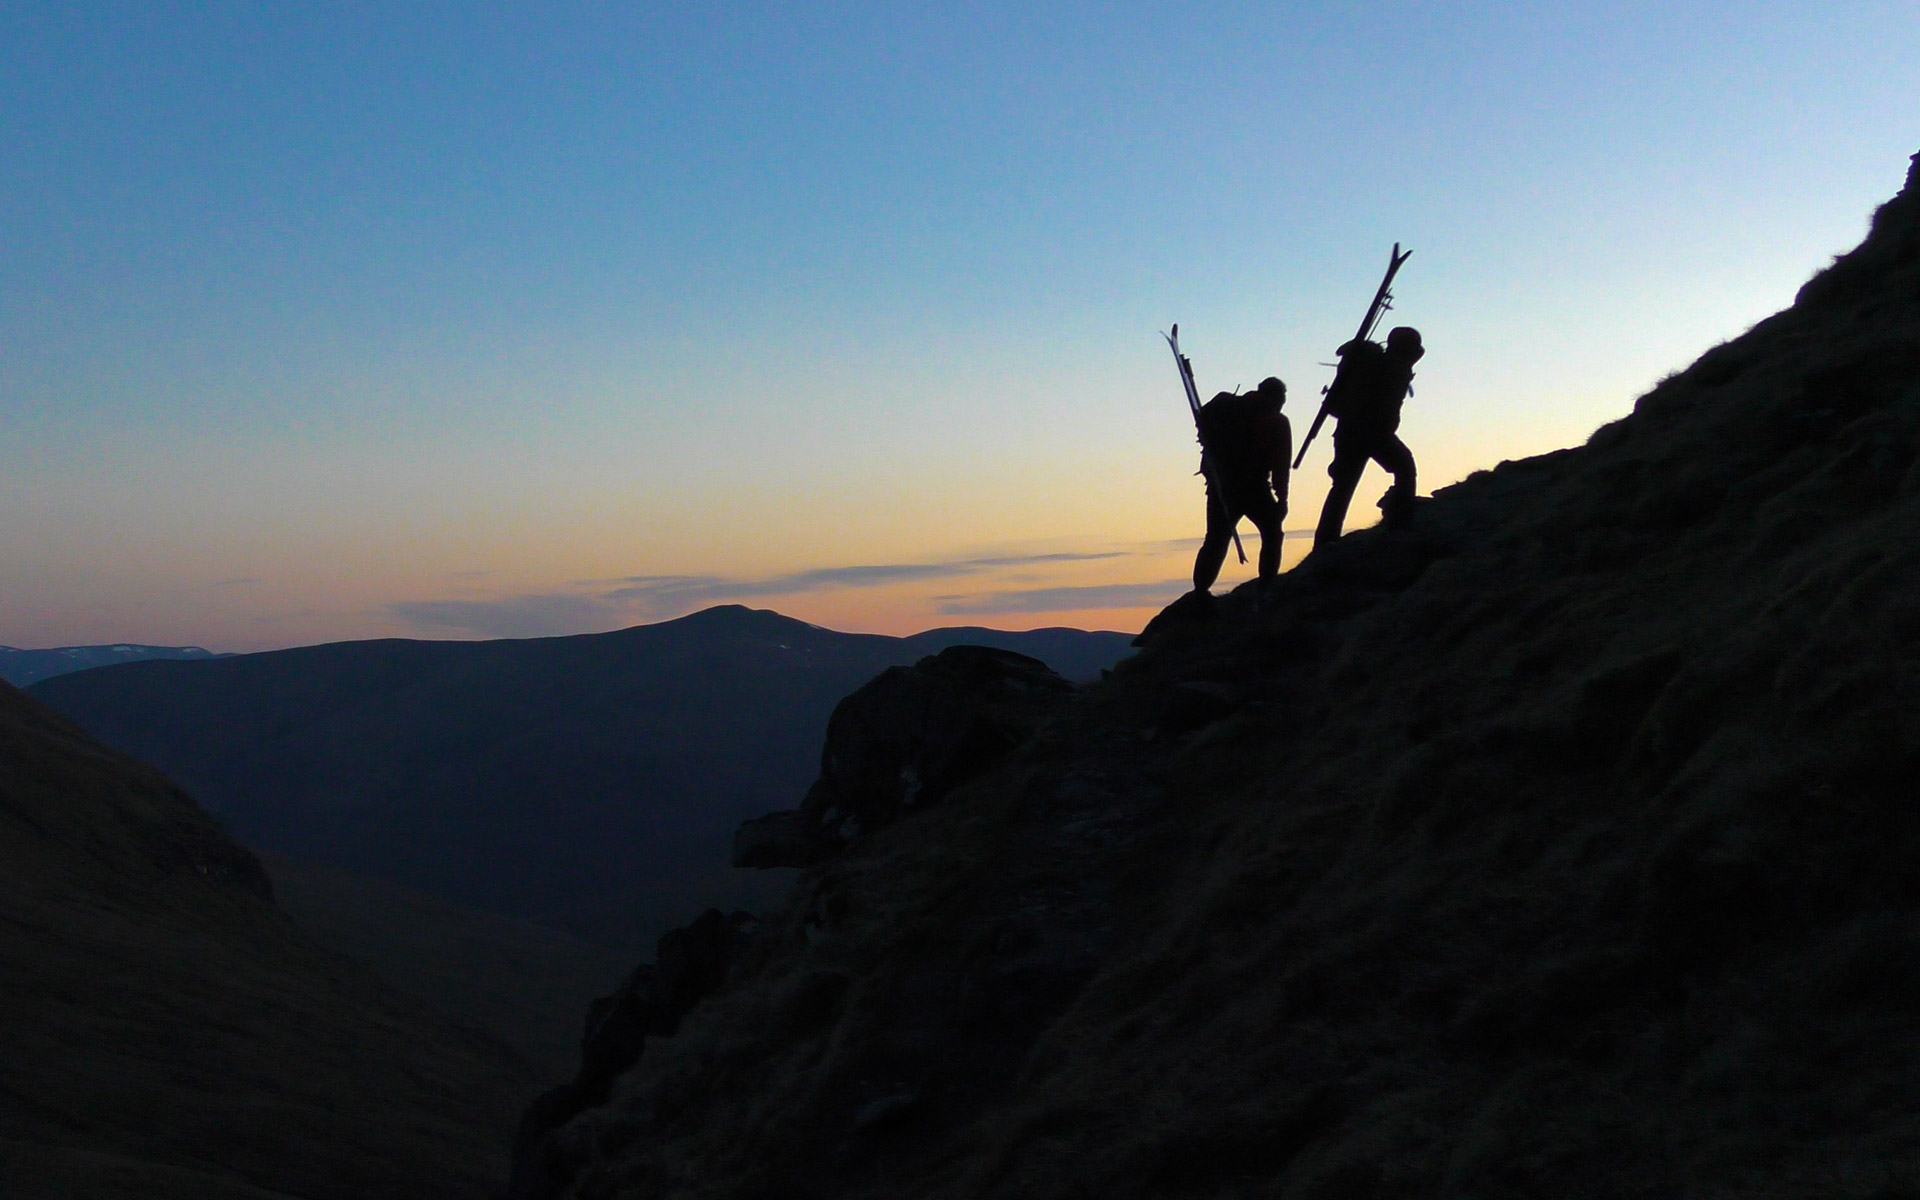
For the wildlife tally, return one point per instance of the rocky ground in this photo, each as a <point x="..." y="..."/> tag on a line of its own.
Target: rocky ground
<point x="1564" y="846"/>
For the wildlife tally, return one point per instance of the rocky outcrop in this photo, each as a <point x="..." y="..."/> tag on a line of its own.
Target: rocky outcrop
<point x="789" y="838"/>
<point x="901" y="743"/>
<point x="688" y="964"/>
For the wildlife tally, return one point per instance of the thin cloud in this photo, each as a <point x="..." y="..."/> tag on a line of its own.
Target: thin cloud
<point x="647" y="588"/>
<point x="662" y="594"/>
<point x="1193" y="543"/>
<point x="544" y="615"/>
<point x="1018" y="560"/>
<point x="884" y="573"/>
<point x="1065" y="599"/>
<point x="657" y="597"/>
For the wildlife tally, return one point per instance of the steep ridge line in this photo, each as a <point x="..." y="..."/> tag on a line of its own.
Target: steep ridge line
<point x="1560" y="847"/>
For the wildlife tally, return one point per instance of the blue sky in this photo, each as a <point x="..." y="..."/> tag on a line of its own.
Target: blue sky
<point x="444" y="320"/>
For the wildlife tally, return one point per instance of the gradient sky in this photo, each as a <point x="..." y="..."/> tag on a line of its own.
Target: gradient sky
<point x="339" y="321"/>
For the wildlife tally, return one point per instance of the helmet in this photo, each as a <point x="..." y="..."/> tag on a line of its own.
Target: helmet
<point x="1272" y="389"/>
<point x="1405" y="340"/>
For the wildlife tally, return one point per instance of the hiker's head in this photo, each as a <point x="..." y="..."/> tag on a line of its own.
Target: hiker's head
<point x="1272" y="391"/>
<point x="1404" y="342"/>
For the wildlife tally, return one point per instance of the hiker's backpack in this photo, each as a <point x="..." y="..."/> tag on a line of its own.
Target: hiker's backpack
<point x="1367" y="390"/>
<point x="1227" y="423"/>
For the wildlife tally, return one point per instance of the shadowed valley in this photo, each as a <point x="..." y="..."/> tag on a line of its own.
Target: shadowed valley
<point x="588" y="782"/>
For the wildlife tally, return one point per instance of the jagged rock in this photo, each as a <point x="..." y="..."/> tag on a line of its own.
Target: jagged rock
<point x="915" y="733"/>
<point x="535" y="1169"/>
<point x="692" y="962"/>
<point x="781" y="839"/>
<point x="1194" y="608"/>
<point x="902" y="742"/>
<point x="1389" y="559"/>
<point x="688" y="964"/>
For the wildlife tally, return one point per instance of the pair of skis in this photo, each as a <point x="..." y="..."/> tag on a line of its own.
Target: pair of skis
<point x="1382" y="302"/>
<point x="1206" y="455"/>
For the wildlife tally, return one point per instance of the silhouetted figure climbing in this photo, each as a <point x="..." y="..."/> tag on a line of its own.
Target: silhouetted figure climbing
<point x="1247" y="441"/>
<point x="1365" y="398"/>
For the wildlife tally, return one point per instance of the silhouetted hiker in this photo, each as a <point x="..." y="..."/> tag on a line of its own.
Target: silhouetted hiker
<point x="1365" y="399"/>
<point x="1248" y="441"/>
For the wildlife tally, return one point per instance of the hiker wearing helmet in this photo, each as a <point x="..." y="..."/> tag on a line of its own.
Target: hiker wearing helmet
<point x="1248" y="442"/>
<point x="1367" y="392"/>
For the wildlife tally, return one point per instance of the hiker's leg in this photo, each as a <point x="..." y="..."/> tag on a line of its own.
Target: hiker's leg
<point x="1213" y="550"/>
<point x="1266" y="517"/>
<point x="1345" y="473"/>
<point x="1396" y="507"/>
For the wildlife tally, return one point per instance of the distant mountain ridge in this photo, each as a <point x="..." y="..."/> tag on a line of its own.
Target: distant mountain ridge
<point x="23" y="667"/>
<point x="590" y="781"/>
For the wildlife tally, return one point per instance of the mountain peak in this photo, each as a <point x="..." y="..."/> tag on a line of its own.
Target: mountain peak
<point x="739" y="616"/>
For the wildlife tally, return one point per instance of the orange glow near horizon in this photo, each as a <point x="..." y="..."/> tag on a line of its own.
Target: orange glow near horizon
<point x="555" y="565"/>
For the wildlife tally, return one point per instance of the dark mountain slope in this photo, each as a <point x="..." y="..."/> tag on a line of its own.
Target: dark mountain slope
<point x="521" y="982"/>
<point x="551" y="778"/>
<point x="163" y="1030"/>
<point x="1565" y="846"/>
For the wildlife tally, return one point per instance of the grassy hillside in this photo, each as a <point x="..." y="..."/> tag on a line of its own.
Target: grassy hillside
<point x="164" y="1031"/>
<point x="1562" y="847"/>
<point x="524" y="984"/>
